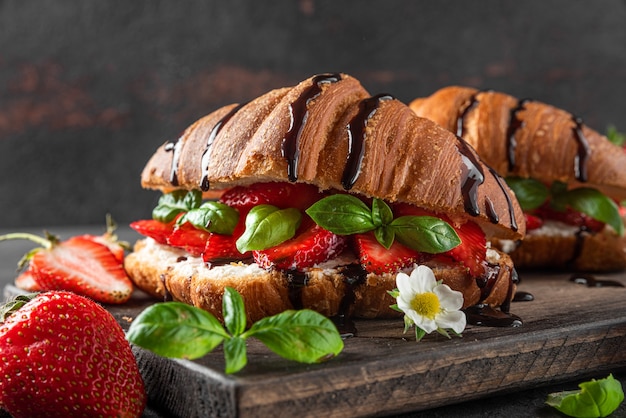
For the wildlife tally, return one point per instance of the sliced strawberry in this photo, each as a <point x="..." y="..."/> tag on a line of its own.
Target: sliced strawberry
<point x="282" y="195"/>
<point x="311" y="246"/>
<point x="156" y="230"/>
<point x="109" y="238"/>
<point x="84" y="267"/>
<point x="377" y="259"/>
<point x="222" y="248"/>
<point x="570" y="217"/>
<point x="27" y="281"/>
<point x="405" y="209"/>
<point x="533" y="222"/>
<point x="472" y="250"/>
<point x="189" y="238"/>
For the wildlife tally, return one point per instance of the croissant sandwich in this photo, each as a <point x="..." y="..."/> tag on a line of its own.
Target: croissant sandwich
<point x="315" y="196"/>
<point x="568" y="178"/>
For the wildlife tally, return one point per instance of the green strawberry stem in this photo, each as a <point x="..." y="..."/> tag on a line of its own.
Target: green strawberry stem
<point x="46" y="242"/>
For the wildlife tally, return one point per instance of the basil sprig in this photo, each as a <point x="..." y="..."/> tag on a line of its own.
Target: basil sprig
<point x="345" y="214"/>
<point x="179" y="201"/>
<point x="268" y="226"/>
<point x="615" y="136"/>
<point x="213" y="217"/>
<point x="596" y="398"/>
<point x="531" y="194"/>
<point x="178" y="330"/>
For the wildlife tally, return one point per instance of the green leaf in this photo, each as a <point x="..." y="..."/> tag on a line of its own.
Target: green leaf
<point x="212" y="216"/>
<point x="342" y="214"/>
<point x="385" y="236"/>
<point x="530" y="193"/>
<point x="305" y="335"/>
<point x="235" y="354"/>
<point x="425" y="234"/>
<point x="14" y="305"/>
<point x="615" y="136"/>
<point x="171" y="204"/>
<point x="177" y="330"/>
<point x="592" y="203"/>
<point x="596" y="398"/>
<point x="268" y="226"/>
<point x="234" y="311"/>
<point x="381" y="213"/>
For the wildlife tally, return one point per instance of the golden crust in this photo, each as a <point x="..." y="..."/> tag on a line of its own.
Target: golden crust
<point x="165" y="272"/>
<point x="405" y="158"/>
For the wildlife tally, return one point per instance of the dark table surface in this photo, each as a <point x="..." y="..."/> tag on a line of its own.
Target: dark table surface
<point x="527" y="403"/>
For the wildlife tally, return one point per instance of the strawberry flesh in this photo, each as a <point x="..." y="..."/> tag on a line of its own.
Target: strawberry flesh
<point x="189" y="238"/>
<point x="82" y="266"/>
<point x="377" y="259"/>
<point x="27" y="281"/>
<point x="158" y="231"/>
<point x="281" y="195"/>
<point x="223" y="248"/>
<point x="65" y="355"/>
<point x="570" y="217"/>
<point x="313" y="245"/>
<point x="472" y="250"/>
<point x="533" y="222"/>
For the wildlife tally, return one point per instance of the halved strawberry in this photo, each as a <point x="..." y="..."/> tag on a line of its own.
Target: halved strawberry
<point x="110" y="239"/>
<point x="223" y="248"/>
<point x="156" y="230"/>
<point x="533" y="222"/>
<point x="312" y="246"/>
<point x="282" y="195"/>
<point x="84" y="267"/>
<point x="570" y="217"/>
<point x="189" y="238"/>
<point x="472" y="250"/>
<point x="27" y="281"/>
<point x="377" y="259"/>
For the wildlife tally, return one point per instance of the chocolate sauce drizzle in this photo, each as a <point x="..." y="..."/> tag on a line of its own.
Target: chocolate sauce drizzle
<point x="582" y="156"/>
<point x="509" y="202"/>
<point x="590" y="281"/>
<point x="460" y="120"/>
<point x="514" y="125"/>
<point x="473" y="177"/>
<point x="298" y="111"/>
<point x="174" y="147"/>
<point x="204" y="182"/>
<point x="485" y="315"/>
<point x="521" y="296"/>
<point x="296" y="281"/>
<point x="356" y="138"/>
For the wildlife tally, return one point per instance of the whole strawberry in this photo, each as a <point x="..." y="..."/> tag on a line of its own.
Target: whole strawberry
<point x="62" y="355"/>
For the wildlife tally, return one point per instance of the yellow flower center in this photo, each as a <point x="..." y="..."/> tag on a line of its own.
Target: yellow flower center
<point x="426" y="304"/>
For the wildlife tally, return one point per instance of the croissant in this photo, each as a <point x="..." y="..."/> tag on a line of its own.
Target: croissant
<point x="525" y="138"/>
<point x="328" y="134"/>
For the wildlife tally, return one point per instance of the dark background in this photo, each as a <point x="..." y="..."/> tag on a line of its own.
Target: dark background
<point x="89" y="89"/>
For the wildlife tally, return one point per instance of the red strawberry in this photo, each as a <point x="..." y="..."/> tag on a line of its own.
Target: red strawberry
<point x="26" y="281"/>
<point x="64" y="355"/>
<point x="533" y="222"/>
<point x="222" y="248"/>
<point x="189" y="238"/>
<point x="311" y="246"/>
<point x="472" y="250"/>
<point x="78" y="265"/>
<point x="282" y="195"/>
<point x="377" y="259"/>
<point x="158" y="231"/>
<point x="109" y="238"/>
<point x="570" y="217"/>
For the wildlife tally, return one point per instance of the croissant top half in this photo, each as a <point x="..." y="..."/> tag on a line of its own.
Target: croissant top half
<point x="328" y="131"/>
<point x="528" y="138"/>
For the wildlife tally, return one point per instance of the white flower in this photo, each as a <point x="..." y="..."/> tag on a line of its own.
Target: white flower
<point x="428" y="304"/>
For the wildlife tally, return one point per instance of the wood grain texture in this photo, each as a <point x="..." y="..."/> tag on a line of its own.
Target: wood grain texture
<point x="569" y="332"/>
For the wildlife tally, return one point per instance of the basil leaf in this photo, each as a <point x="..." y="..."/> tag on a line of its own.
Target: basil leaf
<point x="596" y="398"/>
<point x="530" y="193"/>
<point x="381" y="213"/>
<point x="213" y="217"/>
<point x="235" y="354"/>
<point x="305" y="335"/>
<point x="234" y="311"/>
<point x="426" y="234"/>
<point x="268" y="226"/>
<point x="592" y="203"/>
<point x="615" y="136"/>
<point x="178" y="330"/>
<point x="171" y="204"/>
<point x="342" y="214"/>
<point x="385" y="236"/>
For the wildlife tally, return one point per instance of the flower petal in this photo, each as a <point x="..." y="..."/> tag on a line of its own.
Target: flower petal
<point x="403" y="282"/>
<point x="455" y="321"/>
<point x="428" y="325"/>
<point x="450" y="300"/>
<point x="423" y="279"/>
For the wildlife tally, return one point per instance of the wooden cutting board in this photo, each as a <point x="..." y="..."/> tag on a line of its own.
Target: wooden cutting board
<point x="570" y="331"/>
